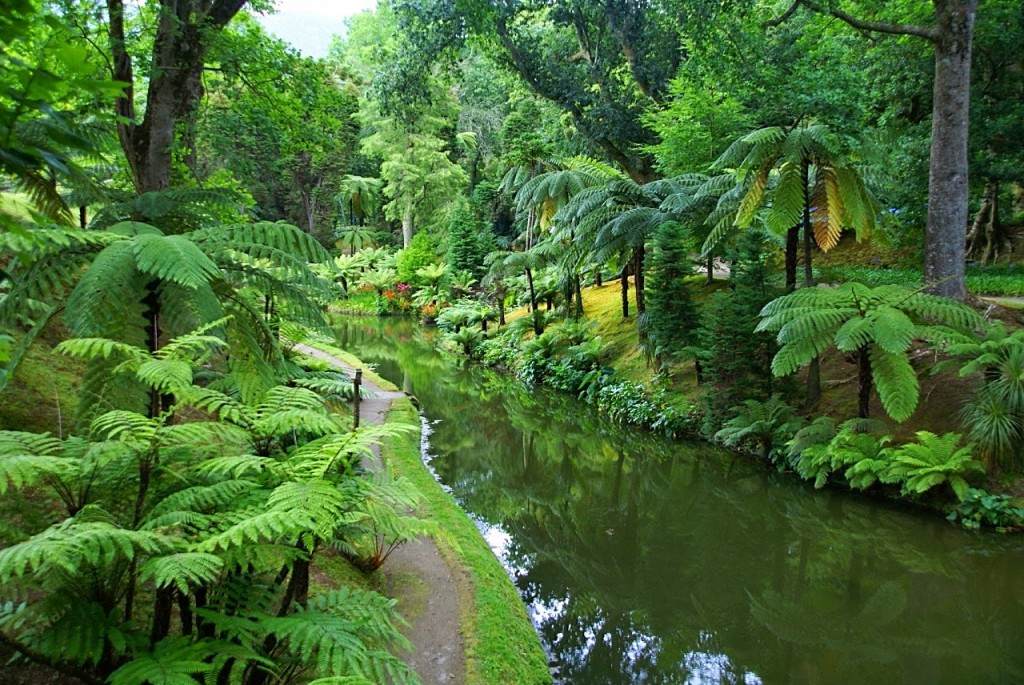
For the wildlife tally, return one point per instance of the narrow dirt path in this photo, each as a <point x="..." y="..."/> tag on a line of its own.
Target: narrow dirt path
<point x="417" y="575"/>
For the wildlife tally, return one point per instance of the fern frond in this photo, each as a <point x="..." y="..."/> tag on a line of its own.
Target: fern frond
<point x="26" y="470"/>
<point x="752" y="199"/>
<point x="893" y="330"/>
<point x="788" y="199"/>
<point x="250" y="238"/>
<point x="236" y="466"/>
<point x="126" y="426"/>
<point x="346" y="633"/>
<point x="101" y="348"/>
<point x="896" y="382"/>
<point x="260" y="526"/>
<point x="107" y="302"/>
<point x="73" y="544"/>
<point x="182" y="570"/>
<point x="828" y="214"/>
<point x="792" y="355"/>
<point x="165" y="375"/>
<point x="80" y="631"/>
<point x="173" y="661"/>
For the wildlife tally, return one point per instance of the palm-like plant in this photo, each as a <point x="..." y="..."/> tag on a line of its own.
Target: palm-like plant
<point x="821" y="448"/>
<point x="807" y="180"/>
<point x="995" y="414"/>
<point x="878" y="324"/>
<point x="931" y="461"/>
<point x="223" y="535"/>
<point x="144" y="284"/>
<point x="380" y="279"/>
<point x="353" y="237"/>
<point x="346" y="268"/>
<point x="766" y="424"/>
<point x="358" y="197"/>
<point x="503" y="264"/>
<point x="433" y="275"/>
<point x="455" y="318"/>
<point x="468" y="339"/>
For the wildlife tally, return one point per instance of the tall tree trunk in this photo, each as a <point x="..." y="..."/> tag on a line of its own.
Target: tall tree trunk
<point x="533" y="293"/>
<point x="792" y="248"/>
<point x="624" y="281"/>
<point x="183" y="31"/>
<point x="813" y="394"/>
<point x="161" y="624"/>
<point x="579" y="296"/>
<point x="1018" y="197"/>
<point x="474" y="172"/>
<point x="985" y="239"/>
<point x="639" y="255"/>
<point x="407" y="226"/>
<point x="711" y="268"/>
<point x="864" y="382"/>
<point x="947" y="177"/>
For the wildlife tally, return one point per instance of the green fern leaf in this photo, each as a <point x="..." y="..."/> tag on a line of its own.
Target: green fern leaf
<point x="182" y="570"/>
<point x="896" y="382"/>
<point x="893" y="330"/>
<point x="174" y="661"/>
<point x="173" y="258"/>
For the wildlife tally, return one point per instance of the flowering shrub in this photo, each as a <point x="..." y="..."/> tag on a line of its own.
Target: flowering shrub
<point x="395" y="300"/>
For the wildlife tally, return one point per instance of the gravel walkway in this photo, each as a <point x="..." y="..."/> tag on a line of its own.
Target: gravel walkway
<point x="417" y="575"/>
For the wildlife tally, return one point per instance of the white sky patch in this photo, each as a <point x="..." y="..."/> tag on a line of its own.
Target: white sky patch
<point x="309" y="24"/>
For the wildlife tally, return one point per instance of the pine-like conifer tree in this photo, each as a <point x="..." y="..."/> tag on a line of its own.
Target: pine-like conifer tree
<point x="672" y="316"/>
<point x="736" y="362"/>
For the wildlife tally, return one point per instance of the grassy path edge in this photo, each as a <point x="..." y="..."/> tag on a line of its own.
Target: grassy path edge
<point x="501" y="644"/>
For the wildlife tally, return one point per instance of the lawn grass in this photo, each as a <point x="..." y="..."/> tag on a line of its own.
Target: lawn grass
<point x="501" y="644"/>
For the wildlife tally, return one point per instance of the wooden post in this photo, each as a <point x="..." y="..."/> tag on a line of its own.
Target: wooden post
<point x="357" y="381"/>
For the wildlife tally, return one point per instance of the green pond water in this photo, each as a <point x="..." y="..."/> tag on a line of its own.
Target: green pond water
<point x="644" y="560"/>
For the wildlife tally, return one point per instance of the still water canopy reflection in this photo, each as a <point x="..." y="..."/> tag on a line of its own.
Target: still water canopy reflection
<point x="643" y="560"/>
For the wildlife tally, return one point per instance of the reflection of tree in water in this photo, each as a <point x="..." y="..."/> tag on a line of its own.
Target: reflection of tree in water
<point x="646" y="560"/>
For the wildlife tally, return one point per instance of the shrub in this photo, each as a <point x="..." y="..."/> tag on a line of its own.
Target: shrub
<point x="980" y="507"/>
<point x="419" y="254"/>
<point x="672" y="318"/>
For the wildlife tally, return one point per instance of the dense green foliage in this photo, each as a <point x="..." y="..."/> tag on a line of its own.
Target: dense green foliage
<point x="517" y="152"/>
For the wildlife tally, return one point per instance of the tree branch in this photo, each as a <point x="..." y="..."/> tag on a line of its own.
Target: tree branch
<point x="40" y="658"/>
<point x="124" y="106"/>
<point x="222" y="11"/>
<point x="784" y="17"/>
<point x="927" y="32"/>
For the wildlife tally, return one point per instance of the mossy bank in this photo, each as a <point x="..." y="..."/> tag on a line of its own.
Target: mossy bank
<point x="501" y="644"/>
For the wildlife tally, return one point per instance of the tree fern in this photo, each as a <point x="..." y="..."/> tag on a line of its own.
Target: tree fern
<point x="75" y="544"/>
<point x="880" y="324"/>
<point x="182" y="570"/>
<point x="931" y="461"/>
<point x="172" y="662"/>
<point x="345" y="633"/>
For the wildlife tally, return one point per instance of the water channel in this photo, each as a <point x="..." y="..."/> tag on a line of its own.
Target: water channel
<point x="643" y="560"/>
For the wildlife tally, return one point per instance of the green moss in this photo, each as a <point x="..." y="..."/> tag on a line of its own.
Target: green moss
<point x="501" y="645"/>
<point x="332" y="570"/>
<point x="42" y="395"/>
